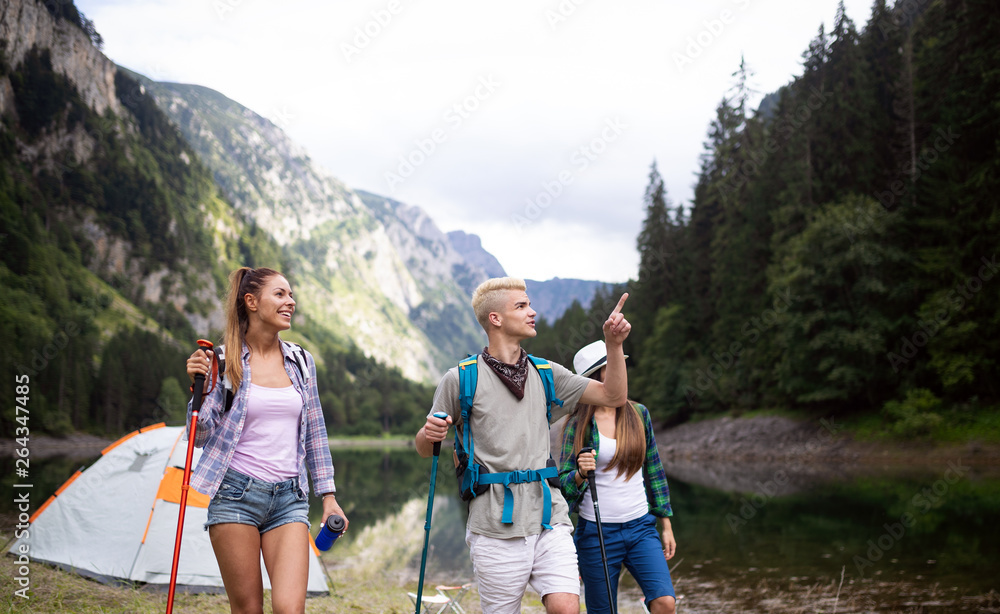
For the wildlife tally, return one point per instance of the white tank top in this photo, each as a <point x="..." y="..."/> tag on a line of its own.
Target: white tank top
<point x="268" y="447"/>
<point x="620" y="500"/>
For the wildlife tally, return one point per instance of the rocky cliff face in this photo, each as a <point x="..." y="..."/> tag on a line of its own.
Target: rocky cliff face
<point x="75" y="144"/>
<point x="27" y="23"/>
<point x="264" y="174"/>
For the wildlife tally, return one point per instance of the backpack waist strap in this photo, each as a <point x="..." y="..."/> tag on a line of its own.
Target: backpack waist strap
<point x="522" y="476"/>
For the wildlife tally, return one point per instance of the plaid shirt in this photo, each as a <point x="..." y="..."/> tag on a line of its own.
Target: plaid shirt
<point x="657" y="491"/>
<point x="219" y="433"/>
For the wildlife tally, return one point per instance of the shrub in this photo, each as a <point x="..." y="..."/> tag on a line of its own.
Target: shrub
<point x="915" y="416"/>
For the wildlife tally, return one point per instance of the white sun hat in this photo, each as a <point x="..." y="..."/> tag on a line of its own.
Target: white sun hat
<point x="590" y="358"/>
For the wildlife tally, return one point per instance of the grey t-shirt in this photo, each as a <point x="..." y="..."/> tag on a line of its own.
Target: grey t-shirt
<point x="509" y="435"/>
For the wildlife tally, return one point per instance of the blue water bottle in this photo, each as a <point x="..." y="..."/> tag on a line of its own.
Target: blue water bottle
<point x="332" y="529"/>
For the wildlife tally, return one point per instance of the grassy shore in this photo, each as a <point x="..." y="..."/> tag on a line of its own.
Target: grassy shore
<point x="55" y="591"/>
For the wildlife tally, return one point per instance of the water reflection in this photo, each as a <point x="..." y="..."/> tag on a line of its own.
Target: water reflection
<point x="936" y="524"/>
<point x="384" y="493"/>
<point x="734" y="524"/>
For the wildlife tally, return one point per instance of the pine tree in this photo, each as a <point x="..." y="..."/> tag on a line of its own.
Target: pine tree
<point x="657" y="251"/>
<point x="879" y="45"/>
<point x="954" y="221"/>
<point x="838" y="320"/>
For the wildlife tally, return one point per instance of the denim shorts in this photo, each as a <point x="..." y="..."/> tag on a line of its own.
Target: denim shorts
<point x="266" y="505"/>
<point x="634" y="544"/>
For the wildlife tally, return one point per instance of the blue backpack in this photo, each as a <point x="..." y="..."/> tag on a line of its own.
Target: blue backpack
<point x="473" y="478"/>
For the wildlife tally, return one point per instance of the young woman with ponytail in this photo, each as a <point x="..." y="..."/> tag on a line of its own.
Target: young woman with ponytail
<point x="258" y="452"/>
<point x="632" y="490"/>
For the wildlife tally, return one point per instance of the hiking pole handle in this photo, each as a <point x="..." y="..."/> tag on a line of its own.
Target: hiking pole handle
<point x="437" y="444"/>
<point x="199" y="380"/>
<point x="591" y="478"/>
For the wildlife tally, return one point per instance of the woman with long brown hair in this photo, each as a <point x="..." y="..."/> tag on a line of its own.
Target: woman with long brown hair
<point x="633" y="492"/>
<point x="258" y="451"/>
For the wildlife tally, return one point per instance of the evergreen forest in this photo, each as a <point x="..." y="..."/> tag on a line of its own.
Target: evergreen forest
<point x="839" y="256"/>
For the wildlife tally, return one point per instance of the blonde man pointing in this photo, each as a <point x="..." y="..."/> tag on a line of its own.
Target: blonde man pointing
<point x="515" y="547"/>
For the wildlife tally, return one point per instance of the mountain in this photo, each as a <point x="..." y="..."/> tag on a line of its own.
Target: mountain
<point x="116" y="241"/>
<point x="373" y="269"/>
<point x="118" y="237"/>
<point x="553" y="297"/>
<point x="125" y="203"/>
<point x="471" y="247"/>
<point x="549" y="298"/>
<point x="364" y="262"/>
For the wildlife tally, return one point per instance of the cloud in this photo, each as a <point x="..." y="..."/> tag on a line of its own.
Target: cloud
<point x="362" y="85"/>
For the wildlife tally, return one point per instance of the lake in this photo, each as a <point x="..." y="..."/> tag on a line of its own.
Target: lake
<point x="736" y="525"/>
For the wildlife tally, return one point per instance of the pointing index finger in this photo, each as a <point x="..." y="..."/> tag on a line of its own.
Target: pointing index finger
<point x="621" y="303"/>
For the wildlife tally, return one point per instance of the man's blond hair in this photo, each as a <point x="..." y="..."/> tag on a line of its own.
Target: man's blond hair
<point x="491" y="295"/>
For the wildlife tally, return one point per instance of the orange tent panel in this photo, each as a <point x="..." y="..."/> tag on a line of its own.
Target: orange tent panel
<point x="170" y="489"/>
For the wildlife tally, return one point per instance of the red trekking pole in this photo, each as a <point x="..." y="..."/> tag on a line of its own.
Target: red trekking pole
<point x="199" y="386"/>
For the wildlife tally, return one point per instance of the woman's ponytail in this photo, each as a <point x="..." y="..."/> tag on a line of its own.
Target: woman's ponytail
<point x="242" y="281"/>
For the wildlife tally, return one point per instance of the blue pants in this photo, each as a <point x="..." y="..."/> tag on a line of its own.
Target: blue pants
<point x="637" y="545"/>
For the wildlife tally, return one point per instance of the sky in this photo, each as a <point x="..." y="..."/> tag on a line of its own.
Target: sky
<point x="532" y="124"/>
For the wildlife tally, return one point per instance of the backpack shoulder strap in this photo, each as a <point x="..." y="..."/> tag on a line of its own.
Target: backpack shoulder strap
<point x="548" y="382"/>
<point x="220" y="355"/>
<point x="299" y="356"/>
<point x="468" y="379"/>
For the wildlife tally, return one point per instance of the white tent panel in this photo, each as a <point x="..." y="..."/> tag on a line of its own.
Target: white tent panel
<point x="96" y="525"/>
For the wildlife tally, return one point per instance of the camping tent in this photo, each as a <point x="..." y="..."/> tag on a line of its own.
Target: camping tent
<point x="117" y="520"/>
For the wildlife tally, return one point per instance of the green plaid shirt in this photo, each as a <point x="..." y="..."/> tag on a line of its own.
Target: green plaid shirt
<point x="657" y="491"/>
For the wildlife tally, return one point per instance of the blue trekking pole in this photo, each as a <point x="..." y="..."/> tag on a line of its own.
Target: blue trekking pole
<point x="591" y="479"/>
<point x="430" y="509"/>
